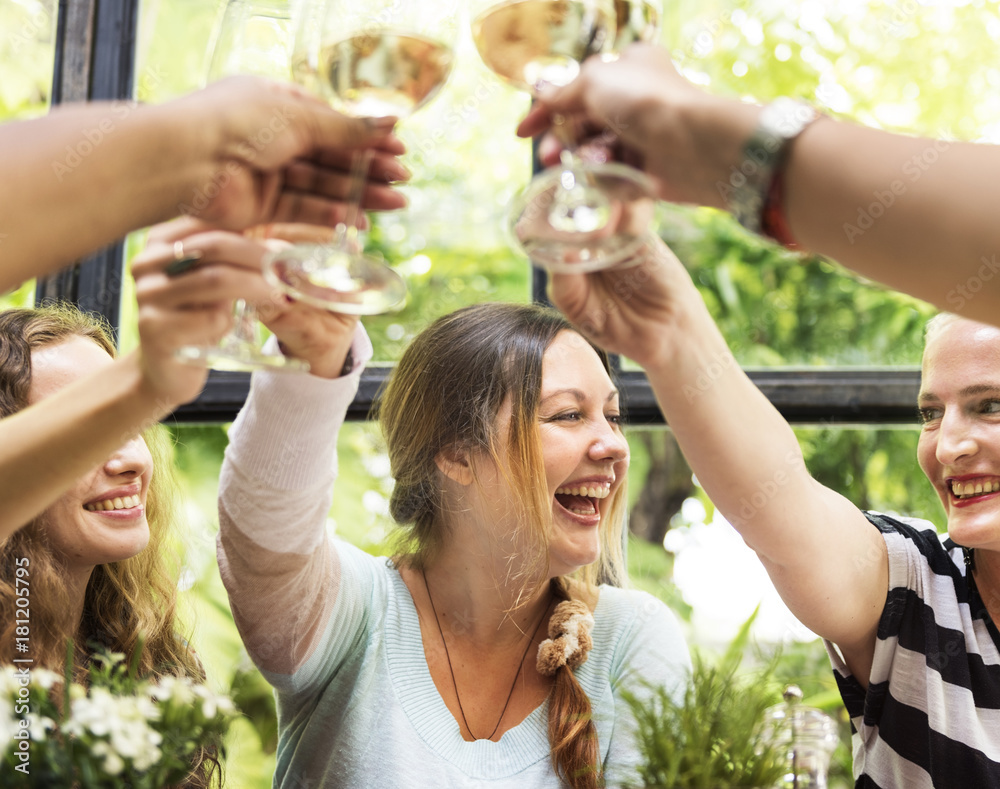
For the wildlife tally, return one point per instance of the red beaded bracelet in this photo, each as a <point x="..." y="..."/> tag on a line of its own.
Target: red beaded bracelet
<point x="773" y="222"/>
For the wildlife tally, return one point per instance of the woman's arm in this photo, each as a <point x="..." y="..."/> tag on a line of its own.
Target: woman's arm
<point x="241" y="152"/>
<point x="915" y="214"/>
<point x="827" y="562"/>
<point x="281" y="571"/>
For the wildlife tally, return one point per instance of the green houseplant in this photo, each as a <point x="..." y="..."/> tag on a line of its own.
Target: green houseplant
<point x="712" y="737"/>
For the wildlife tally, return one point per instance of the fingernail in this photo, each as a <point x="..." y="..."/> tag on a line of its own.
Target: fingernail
<point x="397" y="172"/>
<point x="381" y="124"/>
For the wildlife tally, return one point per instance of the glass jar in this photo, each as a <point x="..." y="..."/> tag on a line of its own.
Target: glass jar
<point x="808" y="736"/>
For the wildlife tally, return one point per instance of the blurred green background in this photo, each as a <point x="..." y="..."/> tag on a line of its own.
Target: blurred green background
<point x="923" y="67"/>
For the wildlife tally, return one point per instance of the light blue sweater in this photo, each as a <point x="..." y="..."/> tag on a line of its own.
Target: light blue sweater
<point x="356" y="703"/>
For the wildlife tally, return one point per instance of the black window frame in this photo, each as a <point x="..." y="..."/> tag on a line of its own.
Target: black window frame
<point x="95" y="60"/>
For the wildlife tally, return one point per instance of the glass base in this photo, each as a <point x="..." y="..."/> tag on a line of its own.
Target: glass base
<point x="582" y="218"/>
<point x="329" y="278"/>
<point x="240" y="359"/>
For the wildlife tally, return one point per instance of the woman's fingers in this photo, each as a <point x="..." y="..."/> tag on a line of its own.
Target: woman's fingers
<point x="328" y="184"/>
<point x="211" y="246"/>
<point x="385" y="165"/>
<point x="227" y="266"/>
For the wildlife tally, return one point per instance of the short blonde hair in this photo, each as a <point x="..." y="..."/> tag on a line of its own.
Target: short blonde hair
<point x="938" y="323"/>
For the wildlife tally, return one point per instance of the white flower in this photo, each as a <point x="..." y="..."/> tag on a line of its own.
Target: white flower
<point x="119" y="734"/>
<point x="40" y="726"/>
<point x="113" y="764"/>
<point x="45" y="679"/>
<point x="8" y="727"/>
<point x="120" y="725"/>
<point x="8" y="682"/>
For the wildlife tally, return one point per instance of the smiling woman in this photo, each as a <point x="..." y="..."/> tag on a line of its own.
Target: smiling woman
<point x="503" y="432"/>
<point x="102" y="518"/>
<point x="97" y="562"/>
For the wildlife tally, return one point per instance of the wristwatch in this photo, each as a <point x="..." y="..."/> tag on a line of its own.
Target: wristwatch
<point x="764" y="155"/>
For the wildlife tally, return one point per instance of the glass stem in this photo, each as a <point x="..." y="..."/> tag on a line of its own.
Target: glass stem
<point x="244" y="324"/>
<point x="348" y="231"/>
<point x="578" y="205"/>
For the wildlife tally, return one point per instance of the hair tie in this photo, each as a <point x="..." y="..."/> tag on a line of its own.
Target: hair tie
<point x="569" y="638"/>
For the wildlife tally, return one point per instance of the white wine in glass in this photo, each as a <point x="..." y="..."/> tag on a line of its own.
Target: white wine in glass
<point x="535" y="43"/>
<point x="375" y="58"/>
<point x="384" y="72"/>
<point x="577" y="216"/>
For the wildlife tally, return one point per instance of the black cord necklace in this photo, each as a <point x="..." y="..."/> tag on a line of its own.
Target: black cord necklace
<point x="451" y="671"/>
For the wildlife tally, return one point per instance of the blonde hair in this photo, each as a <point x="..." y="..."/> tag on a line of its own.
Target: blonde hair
<point x="129" y="605"/>
<point x="446" y="394"/>
<point x="939" y="323"/>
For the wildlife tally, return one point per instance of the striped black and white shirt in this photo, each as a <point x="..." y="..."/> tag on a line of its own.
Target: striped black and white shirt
<point x="931" y="714"/>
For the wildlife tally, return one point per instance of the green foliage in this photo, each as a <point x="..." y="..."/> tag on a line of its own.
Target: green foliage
<point x="909" y="66"/>
<point x="24" y="296"/>
<point x="778" y="308"/>
<point x="440" y="281"/>
<point x="712" y="738"/>
<point x="875" y="469"/>
<point x="650" y="568"/>
<point x="27" y="49"/>
<point x="255" y="699"/>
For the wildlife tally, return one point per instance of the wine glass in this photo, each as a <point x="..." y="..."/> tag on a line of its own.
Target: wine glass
<point x="636" y="21"/>
<point x="254" y="37"/>
<point x="579" y="215"/>
<point x="376" y="58"/>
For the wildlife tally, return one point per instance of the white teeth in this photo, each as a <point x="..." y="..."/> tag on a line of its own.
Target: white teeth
<point x="976" y="488"/>
<point x="117" y="503"/>
<point x="591" y="491"/>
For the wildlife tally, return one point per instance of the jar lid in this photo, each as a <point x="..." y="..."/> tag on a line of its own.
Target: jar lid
<point x="799" y="725"/>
